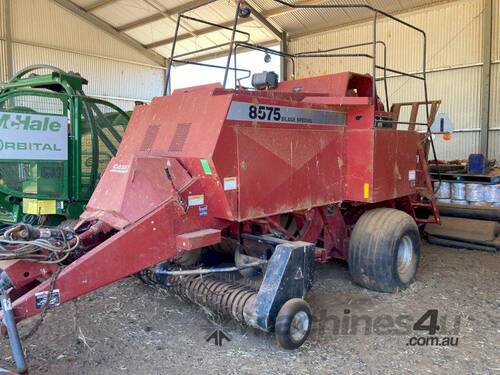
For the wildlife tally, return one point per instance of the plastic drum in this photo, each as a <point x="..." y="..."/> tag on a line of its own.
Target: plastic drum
<point x="492" y="193"/>
<point x="474" y="192"/>
<point x="458" y="191"/>
<point x="443" y="190"/>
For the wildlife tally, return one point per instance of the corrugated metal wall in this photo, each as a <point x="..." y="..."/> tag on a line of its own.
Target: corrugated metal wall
<point x="43" y="32"/>
<point x="3" y="63"/>
<point x="495" y="85"/>
<point x="454" y="63"/>
<point x="3" y="44"/>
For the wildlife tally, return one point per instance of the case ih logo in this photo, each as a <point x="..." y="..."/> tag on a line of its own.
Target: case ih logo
<point x="119" y="168"/>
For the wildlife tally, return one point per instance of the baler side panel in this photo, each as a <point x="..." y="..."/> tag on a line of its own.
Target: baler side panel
<point x="381" y="164"/>
<point x="394" y="167"/>
<point x="359" y="165"/>
<point x="386" y="168"/>
<point x="306" y="167"/>
<point x="226" y="160"/>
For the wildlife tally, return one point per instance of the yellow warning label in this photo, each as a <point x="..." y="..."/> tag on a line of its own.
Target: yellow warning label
<point x="366" y="191"/>
<point x="39" y="207"/>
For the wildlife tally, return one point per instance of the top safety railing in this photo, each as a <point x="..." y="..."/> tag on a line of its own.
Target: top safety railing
<point x="234" y="43"/>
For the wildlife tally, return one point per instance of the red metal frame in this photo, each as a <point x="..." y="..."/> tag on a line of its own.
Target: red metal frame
<point x="185" y="174"/>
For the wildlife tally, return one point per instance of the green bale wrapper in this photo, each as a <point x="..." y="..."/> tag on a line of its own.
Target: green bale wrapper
<point x="54" y="144"/>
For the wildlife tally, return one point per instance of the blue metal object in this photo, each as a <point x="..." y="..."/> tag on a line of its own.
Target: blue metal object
<point x="478" y="164"/>
<point x="289" y="275"/>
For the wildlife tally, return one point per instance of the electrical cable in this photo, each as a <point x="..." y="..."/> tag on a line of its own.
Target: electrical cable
<point x="41" y="250"/>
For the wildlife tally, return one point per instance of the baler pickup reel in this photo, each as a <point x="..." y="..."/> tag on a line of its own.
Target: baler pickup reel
<point x="263" y="294"/>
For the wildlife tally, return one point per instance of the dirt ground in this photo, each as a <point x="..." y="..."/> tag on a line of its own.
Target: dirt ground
<point x="132" y="328"/>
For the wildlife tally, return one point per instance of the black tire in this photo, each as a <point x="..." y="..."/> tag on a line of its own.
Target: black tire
<point x="287" y="339"/>
<point x="384" y="250"/>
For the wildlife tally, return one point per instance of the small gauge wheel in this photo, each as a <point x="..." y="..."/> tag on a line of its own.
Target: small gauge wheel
<point x="293" y="323"/>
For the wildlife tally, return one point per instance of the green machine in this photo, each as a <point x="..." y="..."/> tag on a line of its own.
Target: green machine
<point x="54" y="144"/>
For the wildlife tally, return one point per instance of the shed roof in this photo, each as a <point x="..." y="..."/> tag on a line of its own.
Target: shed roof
<point x="149" y="25"/>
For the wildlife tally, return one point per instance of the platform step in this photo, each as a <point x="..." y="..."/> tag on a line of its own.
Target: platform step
<point x="421" y="204"/>
<point x="198" y="239"/>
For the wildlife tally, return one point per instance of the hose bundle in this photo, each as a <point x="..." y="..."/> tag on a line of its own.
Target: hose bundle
<point x="43" y="245"/>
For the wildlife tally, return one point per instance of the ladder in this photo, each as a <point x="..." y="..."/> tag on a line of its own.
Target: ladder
<point x="424" y="197"/>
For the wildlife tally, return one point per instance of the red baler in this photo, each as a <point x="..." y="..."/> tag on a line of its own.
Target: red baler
<point x="253" y="183"/>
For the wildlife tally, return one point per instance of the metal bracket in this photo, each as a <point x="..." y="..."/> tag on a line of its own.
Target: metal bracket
<point x="289" y="275"/>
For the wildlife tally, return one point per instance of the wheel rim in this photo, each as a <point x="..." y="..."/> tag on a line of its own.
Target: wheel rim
<point x="407" y="261"/>
<point x="299" y="326"/>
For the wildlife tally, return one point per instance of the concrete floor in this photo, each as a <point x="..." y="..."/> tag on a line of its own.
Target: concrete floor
<point x="132" y="328"/>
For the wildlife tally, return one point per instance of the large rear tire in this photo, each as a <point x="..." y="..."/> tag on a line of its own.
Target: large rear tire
<point x="384" y="250"/>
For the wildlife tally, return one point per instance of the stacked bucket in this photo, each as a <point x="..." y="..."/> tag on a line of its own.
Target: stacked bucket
<point x="467" y="194"/>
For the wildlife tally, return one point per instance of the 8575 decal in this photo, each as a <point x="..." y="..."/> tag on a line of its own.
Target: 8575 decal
<point x="244" y="111"/>
<point x="266" y="112"/>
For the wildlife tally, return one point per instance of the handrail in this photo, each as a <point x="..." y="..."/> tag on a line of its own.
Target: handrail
<point x="176" y="35"/>
<point x="325" y="53"/>
<point x="386" y="91"/>
<point x="190" y="62"/>
<point x="374" y="34"/>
